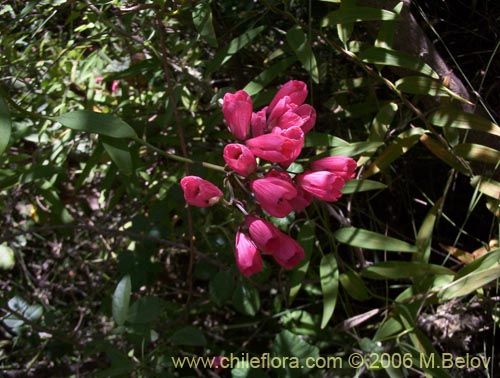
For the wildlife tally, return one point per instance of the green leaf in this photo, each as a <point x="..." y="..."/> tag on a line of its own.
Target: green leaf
<point x="145" y="310"/>
<point x="267" y="76"/>
<point x="5" y="126"/>
<point x="246" y="299"/>
<point x="487" y="186"/>
<point x="382" y="121"/>
<point x="232" y="48"/>
<point x="99" y="123"/>
<point x="424" y="236"/>
<point x="297" y="40"/>
<point x="477" y="152"/>
<point x="314" y="139"/>
<point x="469" y="283"/>
<point x="329" y="277"/>
<point x="398" y="147"/>
<point x="221" y="287"/>
<point x="189" y="336"/>
<point x="444" y="154"/>
<point x="461" y="120"/>
<point x="243" y="370"/>
<point x="354" y="285"/>
<point x="423" y="85"/>
<point x="31" y="312"/>
<point x="287" y="344"/>
<point x="202" y="19"/>
<point x="306" y="239"/>
<point x="356" y="186"/>
<point x="346" y="15"/>
<point x="354" y="149"/>
<point x="403" y="269"/>
<point x="358" y="237"/>
<point x="119" y="153"/>
<point x="121" y="300"/>
<point x="7" y="257"/>
<point x="388" y="57"/>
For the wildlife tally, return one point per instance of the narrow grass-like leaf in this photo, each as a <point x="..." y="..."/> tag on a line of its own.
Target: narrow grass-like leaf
<point x="306" y="239"/>
<point x="461" y="120"/>
<point x="469" y="283"/>
<point x="329" y="277"/>
<point x="232" y="48"/>
<point x="121" y="300"/>
<point x="99" y="123"/>
<point x="381" y="122"/>
<point x="403" y="269"/>
<point x="297" y="40"/>
<point x="487" y="186"/>
<point x="314" y="139"/>
<point x="489" y="260"/>
<point x="424" y="236"/>
<point x="356" y="148"/>
<point x="399" y="146"/>
<point x="477" y="152"/>
<point x="354" y="285"/>
<point x="5" y="125"/>
<point x="265" y="77"/>
<point x="388" y="57"/>
<point x="356" y="186"/>
<point x="119" y="152"/>
<point x="202" y="19"/>
<point x="346" y="15"/>
<point x="444" y="154"/>
<point x="358" y="237"/>
<point x="423" y="85"/>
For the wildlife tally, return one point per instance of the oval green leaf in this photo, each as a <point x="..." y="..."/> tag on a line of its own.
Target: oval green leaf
<point x="119" y="153"/>
<point x="5" y="125"/>
<point x="358" y="237"/>
<point x="121" y="300"/>
<point x="246" y="299"/>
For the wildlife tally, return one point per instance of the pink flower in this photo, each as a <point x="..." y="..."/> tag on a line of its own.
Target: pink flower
<point x="302" y="200"/>
<point x="237" y="109"/>
<point x="342" y="166"/>
<point x="248" y="258"/>
<point x="308" y="115"/>
<point x="240" y="159"/>
<point x="321" y="184"/>
<point x="199" y="192"/>
<point x="282" y="146"/>
<point x="258" y="122"/>
<point x="279" y="174"/>
<point x="285" y="250"/>
<point x="115" y="85"/>
<point x="295" y="89"/>
<point x="282" y="107"/>
<point x="274" y="195"/>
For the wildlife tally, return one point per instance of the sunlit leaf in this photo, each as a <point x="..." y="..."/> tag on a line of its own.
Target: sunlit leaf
<point x="354" y="149"/>
<point x="477" y="152"/>
<point x="99" y="123"/>
<point x="329" y="278"/>
<point x="314" y="139"/>
<point x="423" y="85"/>
<point x="119" y="152"/>
<point x="403" y="269"/>
<point x="202" y="19"/>
<point x="297" y="40"/>
<point x="7" y="257"/>
<point x="424" y="236"/>
<point x="265" y="77"/>
<point x="461" y="120"/>
<point x="121" y="300"/>
<point x="5" y="125"/>
<point x="346" y="15"/>
<point x="387" y="57"/>
<point x="444" y="154"/>
<point x="356" y="186"/>
<point x="487" y="186"/>
<point x="358" y="237"/>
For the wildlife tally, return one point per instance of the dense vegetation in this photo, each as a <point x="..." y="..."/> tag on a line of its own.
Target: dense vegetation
<point x="106" y="272"/>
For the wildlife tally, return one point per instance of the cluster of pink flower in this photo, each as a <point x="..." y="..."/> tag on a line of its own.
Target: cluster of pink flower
<point x="278" y="137"/>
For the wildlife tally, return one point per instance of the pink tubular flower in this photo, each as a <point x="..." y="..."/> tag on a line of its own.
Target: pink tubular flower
<point x="248" y="258"/>
<point x="321" y="184"/>
<point x="302" y="200"/>
<point x="283" y="146"/>
<point x="340" y="165"/>
<point x="240" y="159"/>
<point x="199" y="192"/>
<point x="258" y="122"/>
<point x="279" y="174"/>
<point x="295" y="89"/>
<point x="286" y="251"/>
<point x="237" y="109"/>
<point x="274" y="195"/>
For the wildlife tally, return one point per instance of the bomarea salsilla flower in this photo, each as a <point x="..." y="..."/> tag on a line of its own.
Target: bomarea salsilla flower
<point x="240" y="159"/>
<point x="200" y="192"/>
<point x="248" y="258"/>
<point x="237" y="109"/>
<point x="271" y="241"/>
<point x="274" y="134"/>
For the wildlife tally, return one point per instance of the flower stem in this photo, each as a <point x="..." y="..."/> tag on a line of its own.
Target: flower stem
<point x="179" y="158"/>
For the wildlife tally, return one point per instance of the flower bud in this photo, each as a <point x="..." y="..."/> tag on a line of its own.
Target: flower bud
<point x="200" y="192"/>
<point x="240" y="159"/>
<point x="295" y="89"/>
<point x="248" y="259"/>
<point x="321" y="184"/>
<point x="342" y="166"/>
<point x="274" y="195"/>
<point x="237" y="109"/>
